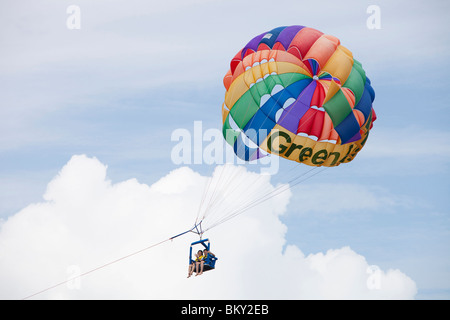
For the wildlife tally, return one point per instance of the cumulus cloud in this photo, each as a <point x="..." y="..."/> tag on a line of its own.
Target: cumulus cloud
<point x="86" y="221"/>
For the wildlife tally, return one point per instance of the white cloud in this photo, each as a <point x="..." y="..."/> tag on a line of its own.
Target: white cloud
<point x="86" y="221"/>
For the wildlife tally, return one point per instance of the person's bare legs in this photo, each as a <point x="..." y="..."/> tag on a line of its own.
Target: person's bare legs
<point x="190" y="270"/>
<point x="196" y="267"/>
<point x="201" y="268"/>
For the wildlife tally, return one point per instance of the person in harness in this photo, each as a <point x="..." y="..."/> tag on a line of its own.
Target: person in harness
<point x="205" y="256"/>
<point x="203" y="260"/>
<point x="195" y="263"/>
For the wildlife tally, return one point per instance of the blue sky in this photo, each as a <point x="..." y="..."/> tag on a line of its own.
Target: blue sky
<point x="137" y="70"/>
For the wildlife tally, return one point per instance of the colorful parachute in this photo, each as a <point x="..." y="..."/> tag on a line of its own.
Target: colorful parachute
<point x="300" y="94"/>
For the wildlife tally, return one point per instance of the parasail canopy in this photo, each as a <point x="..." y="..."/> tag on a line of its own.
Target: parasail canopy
<point x="297" y="93"/>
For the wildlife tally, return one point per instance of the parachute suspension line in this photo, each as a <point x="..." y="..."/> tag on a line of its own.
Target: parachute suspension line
<point x="221" y="183"/>
<point x="253" y="199"/>
<point x="227" y="188"/>
<point x="277" y="192"/>
<point x="232" y="184"/>
<point x="221" y="210"/>
<point x="220" y="186"/>
<point x="205" y="191"/>
<point x="204" y="206"/>
<point x="280" y="189"/>
<point x="216" y="186"/>
<point x="250" y="205"/>
<point x="246" y="194"/>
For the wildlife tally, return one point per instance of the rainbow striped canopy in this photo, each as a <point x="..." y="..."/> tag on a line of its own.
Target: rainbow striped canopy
<point x="298" y="93"/>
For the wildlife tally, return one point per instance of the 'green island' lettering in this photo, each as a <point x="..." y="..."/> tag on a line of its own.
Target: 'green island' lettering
<point x="285" y="147"/>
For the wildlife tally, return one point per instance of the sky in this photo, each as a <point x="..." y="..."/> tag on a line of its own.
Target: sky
<point x="87" y="122"/>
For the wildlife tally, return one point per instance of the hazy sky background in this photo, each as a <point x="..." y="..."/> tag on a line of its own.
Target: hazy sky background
<point x="136" y="71"/>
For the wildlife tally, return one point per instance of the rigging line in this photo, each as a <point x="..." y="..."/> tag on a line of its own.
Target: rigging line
<point x="262" y="199"/>
<point x="270" y="195"/>
<point x="212" y="201"/>
<point x="242" y="210"/>
<point x="225" y="212"/>
<point x="232" y="186"/>
<point x="214" y="191"/>
<point x="221" y="214"/>
<point x="227" y="188"/>
<point x="243" y="190"/>
<point x="205" y="191"/>
<point x="205" y="201"/>
<point x="218" y="211"/>
<point x="235" y="186"/>
<point x="104" y="265"/>
<point x="296" y="183"/>
<point x="212" y="185"/>
<point x="215" y="211"/>
<point x="281" y="190"/>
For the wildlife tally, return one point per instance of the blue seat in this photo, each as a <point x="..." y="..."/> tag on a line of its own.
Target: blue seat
<point x="210" y="261"/>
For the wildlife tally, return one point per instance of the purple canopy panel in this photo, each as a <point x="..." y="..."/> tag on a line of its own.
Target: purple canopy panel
<point x="285" y="37"/>
<point x="291" y="115"/>
<point x="253" y="44"/>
